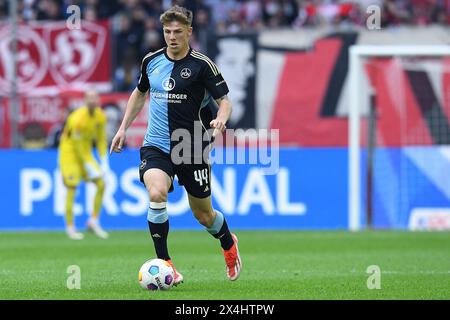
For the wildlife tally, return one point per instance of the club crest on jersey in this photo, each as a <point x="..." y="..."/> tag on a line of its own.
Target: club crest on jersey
<point x="185" y="73"/>
<point x="168" y="84"/>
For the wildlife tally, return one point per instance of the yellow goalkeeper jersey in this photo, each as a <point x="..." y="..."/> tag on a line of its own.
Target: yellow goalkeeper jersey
<point x="82" y="131"/>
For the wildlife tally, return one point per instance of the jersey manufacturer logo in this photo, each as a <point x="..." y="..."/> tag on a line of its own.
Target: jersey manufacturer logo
<point x="185" y="73"/>
<point x="168" y="84"/>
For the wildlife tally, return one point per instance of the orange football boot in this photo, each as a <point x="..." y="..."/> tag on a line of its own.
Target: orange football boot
<point x="178" y="277"/>
<point x="233" y="260"/>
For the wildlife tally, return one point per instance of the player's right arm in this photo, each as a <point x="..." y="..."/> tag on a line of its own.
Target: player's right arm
<point x="134" y="106"/>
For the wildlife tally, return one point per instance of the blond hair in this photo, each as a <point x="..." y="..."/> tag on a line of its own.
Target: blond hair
<point x="177" y="13"/>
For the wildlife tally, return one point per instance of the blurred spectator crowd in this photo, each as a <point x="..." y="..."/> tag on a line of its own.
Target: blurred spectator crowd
<point x="136" y="27"/>
<point x="242" y="15"/>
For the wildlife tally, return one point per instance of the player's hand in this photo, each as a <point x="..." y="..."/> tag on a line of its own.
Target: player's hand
<point x="218" y="125"/>
<point x="117" y="142"/>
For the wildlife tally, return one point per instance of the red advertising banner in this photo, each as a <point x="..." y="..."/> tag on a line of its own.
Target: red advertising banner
<point x="41" y="118"/>
<point x="114" y="105"/>
<point x="4" y="124"/>
<point x="51" y="57"/>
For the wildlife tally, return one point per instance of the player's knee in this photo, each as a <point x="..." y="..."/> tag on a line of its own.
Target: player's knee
<point x="71" y="185"/>
<point x="100" y="185"/>
<point x="158" y="195"/>
<point x="71" y="182"/>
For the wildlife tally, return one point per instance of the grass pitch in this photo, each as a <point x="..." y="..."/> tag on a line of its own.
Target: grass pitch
<point x="276" y="265"/>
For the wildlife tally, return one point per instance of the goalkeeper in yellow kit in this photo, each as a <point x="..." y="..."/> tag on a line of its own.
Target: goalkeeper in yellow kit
<point x="84" y="129"/>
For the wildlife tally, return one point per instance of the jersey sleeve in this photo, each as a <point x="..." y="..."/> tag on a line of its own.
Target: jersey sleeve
<point x="143" y="82"/>
<point x="213" y="80"/>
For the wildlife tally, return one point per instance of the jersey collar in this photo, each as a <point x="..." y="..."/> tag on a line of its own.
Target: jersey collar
<point x="182" y="59"/>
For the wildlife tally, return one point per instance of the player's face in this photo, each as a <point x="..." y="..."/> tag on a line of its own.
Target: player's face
<point x="92" y="99"/>
<point x="177" y="36"/>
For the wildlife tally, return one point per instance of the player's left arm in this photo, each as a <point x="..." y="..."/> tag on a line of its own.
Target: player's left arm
<point x="223" y="114"/>
<point x="217" y="87"/>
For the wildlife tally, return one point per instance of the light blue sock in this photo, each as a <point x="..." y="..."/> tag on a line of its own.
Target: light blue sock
<point x="157" y="215"/>
<point x="217" y="224"/>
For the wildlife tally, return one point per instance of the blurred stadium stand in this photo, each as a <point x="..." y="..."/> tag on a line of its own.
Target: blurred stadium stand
<point x="122" y="32"/>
